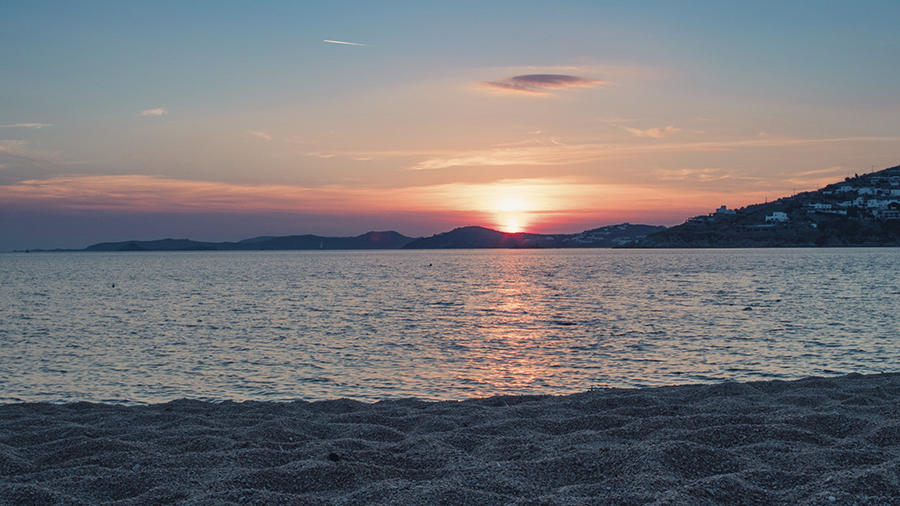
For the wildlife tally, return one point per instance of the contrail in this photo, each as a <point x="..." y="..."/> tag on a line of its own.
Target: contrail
<point x="328" y="41"/>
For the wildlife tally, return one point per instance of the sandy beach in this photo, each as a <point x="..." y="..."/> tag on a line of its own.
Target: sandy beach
<point x="811" y="441"/>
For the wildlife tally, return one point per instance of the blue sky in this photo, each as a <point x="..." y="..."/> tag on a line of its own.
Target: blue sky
<point x="119" y="114"/>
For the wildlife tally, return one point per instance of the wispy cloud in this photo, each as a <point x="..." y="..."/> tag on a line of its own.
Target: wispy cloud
<point x="547" y="197"/>
<point x="27" y="125"/>
<point x="260" y="135"/>
<point x="614" y="120"/>
<point x="158" y="111"/>
<point x="554" y="152"/>
<point x="819" y="177"/>
<point x="704" y="175"/>
<point x="829" y="170"/>
<point x="21" y="161"/>
<point x="11" y="146"/>
<point x="492" y="158"/>
<point x="344" y="43"/>
<point x="653" y="133"/>
<point x="539" y="84"/>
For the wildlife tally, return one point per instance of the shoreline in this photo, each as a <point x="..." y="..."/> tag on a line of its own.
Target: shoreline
<point x="804" y="246"/>
<point x="818" y="440"/>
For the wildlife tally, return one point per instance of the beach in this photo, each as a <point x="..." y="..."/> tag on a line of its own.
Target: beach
<point x="810" y="441"/>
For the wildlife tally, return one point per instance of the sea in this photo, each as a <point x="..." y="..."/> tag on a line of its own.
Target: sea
<point x="151" y="327"/>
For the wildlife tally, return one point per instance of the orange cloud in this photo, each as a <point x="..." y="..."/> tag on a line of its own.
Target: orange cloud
<point x="653" y="133"/>
<point x="704" y="175"/>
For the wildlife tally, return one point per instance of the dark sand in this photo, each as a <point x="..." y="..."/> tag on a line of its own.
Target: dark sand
<point x="813" y="441"/>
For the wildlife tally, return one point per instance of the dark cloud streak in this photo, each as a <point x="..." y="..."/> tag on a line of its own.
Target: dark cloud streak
<point x="540" y="84"/>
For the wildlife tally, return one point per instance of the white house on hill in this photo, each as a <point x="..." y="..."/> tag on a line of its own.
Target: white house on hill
<point x="777" y="217"/>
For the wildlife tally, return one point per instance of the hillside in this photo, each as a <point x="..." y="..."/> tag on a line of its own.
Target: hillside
<point x="480" y="237"/>
<point x="863" y="210"/>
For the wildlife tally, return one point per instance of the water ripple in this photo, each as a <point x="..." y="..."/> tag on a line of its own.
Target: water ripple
<point x="373" y="325"/>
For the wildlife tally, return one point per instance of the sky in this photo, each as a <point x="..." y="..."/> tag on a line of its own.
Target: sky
<point x="226" y="120"/>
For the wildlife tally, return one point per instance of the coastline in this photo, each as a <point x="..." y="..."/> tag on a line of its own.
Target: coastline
<point x="832" y="440"/>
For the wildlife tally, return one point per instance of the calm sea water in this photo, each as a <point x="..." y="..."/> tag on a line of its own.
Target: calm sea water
<point x="151" y="327"/>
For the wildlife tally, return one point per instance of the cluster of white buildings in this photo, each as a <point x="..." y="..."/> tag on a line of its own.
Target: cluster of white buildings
<point x="889" y="186"/>
<point x="881" y="198"/>
<point x="880" y="207"/>
<point x="860" y="202"/>
<point x="881" y="201"/>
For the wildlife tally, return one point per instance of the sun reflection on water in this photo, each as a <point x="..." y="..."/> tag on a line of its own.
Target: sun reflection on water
<point x="509" y="355"/>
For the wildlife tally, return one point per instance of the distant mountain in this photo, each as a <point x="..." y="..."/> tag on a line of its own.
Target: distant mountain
<point x="158" y="245"/>
<point x="369" y="240"/>
<point x="480" y="237"/>
<point x="466" y="237"/>
<point x="863" y="210"/>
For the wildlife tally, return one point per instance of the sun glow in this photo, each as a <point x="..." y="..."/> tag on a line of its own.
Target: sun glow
<point x="511" y="212"/>
<point x="511" y="223"/>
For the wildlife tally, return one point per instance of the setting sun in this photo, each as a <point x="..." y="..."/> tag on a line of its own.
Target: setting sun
<point x="511" y="210"/>
<point x="511" y="223"/>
